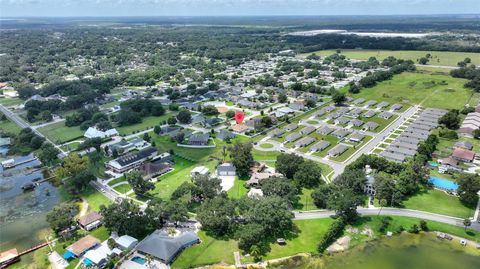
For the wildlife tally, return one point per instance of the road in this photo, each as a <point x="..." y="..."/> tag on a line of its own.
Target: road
<point x="23" y="124"/>
<point x="391" y="212"/>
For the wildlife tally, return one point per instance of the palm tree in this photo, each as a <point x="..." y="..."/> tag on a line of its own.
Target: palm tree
<point x="148" y="259"/>
<point x="224" y="152"/>
<point x="467" y="223"/>
<point x="255" y="252"/>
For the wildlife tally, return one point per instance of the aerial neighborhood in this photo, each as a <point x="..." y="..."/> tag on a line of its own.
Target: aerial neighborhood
<point x="181" y="146"/>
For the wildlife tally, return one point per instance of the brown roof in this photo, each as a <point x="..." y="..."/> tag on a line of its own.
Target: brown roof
<point x="222" y="109"/>
<point x="89" y="218"/>
<point x="239" y="128"/>
<point x="82" y="245"/>
<point x="8" y="255"/>
<point x="463" y="154"/>
<point x="449" y="161"/>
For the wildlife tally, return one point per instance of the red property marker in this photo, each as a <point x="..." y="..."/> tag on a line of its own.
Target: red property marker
<point x="239" y="117"/>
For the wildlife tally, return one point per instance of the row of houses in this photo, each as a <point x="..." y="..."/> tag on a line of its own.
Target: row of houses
<point x="470" y="123"/>
<point x="407" y="143"/>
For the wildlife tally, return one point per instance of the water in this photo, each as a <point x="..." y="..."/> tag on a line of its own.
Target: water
<point x="443" y="183"/>
<point x="22" y="214"/>
<point x="399" y="252"/>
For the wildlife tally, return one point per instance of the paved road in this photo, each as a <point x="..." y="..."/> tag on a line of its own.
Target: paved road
<point x="23" y="124"/>
<point x="391" y="212"/>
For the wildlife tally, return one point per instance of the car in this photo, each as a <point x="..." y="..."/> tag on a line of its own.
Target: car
<point x="103" y="190"/>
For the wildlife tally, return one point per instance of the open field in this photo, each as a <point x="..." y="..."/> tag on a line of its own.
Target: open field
<point x="59" y="133"/>
<point x="147" y="123"/>
<point x="9" y="127"/>
<point x="430" y="90"/>
<point x="436" y="201"/>
<point x="440" y="58"/>
<point x="169" y="182"/>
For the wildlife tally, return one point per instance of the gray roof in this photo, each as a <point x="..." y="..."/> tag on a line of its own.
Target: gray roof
<point x="338" y="150"/>
<point x="223" y="135"/>
<point x="403" y="151"/>
<point x="392" y="156"/>
<point x="371" y="125"/>
<point x="356" y="111"/>
<point x="291" y="127"/>
<point x="356" y="136"/>
<point x="400" y="144"/>
<point x="385" y="115"/>
<point x="226" y="167"/>
<point x="369" y="114"/>
<point x="329" y="108"/>
<point x="305" y="141"/>
<point x="359" y="101"/>
<point x="325" y="130"/>
<point x="383" y="104"/>
<point x="344" y="110"/>
<point x="277" y="132"/>
<point x="334" y="115"/>
<point x="164" y="247"/>
<point x="307" y="130"/>
<point x="415" y="130"/>
<point x="396" y="106"/>
<point x="370" y="102"/>
<point x="410" y="140"/>
<point x="320" y="113"/>
<point x="319" y="146"/>
<point x="340" y="133"/>
<point x="356" y="122"/>
<point x="415" y="135"/>
<point x="421" y="126"/>
<point x="342" y="120"/>
<point x="426" y="122"/>
<point x="292" y="137"/>
<point x="464" y="144"/>
<point x="199" y="138"/>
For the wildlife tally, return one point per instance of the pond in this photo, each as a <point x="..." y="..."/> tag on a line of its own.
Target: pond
<point x="22" y="213"/>
<point x="399" y="252"/>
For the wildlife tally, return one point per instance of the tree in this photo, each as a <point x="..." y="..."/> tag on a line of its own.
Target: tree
<point x="451" y="119"/>
<point x="467" y="223"/>
<point x="308" y="175"/>
<point x="139" y="185"/>
<point x="353" y="179"/>
<point x="230" y="114"/>
<point x="217" y="215"/>
<point x="281" y="187"/>
<point x="288" y="164"/>
<point x="338" y="97"/>
<point x="172" y="120"/>
<point x="48" y="154"/>
<point x="146" y="137"/>
<point x="179" y="137"/>
<point x="321" y="194"/>
<point x="282" y="98"/>
<point x="205" y="187"/>
<point x="250" y="235"/>
<point x="469" y="185"/>
<point x="476" y="134"/>
<point x="127" y="218"/>
<point x="46" y="116"/>
<point x="345" y="201"/>
<point x="25" y="90"/>
<point x="267" y="121"/>
<point x="72" y="165"/>
<point x="414" y="229"/>
<point x="184" y="117"/>
<point x="78" y="182"/>
<point x="242" y="158"/>
<point x="423" y="60"/>
<point x="62" y="216"/>
<point x="334" y="231"/>
<point x="385" y="189"/>
<point x="210" y="110"/>
<point x="272" y="214"/>
<point x="423" y="226"/>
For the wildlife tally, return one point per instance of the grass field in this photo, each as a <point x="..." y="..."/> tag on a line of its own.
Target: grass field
<point x="147" y="123"/>
<point x="439" y="202"/>
<point x="59" y="133"/>
<point x="9" y="127"/>
<point x="430" y="90"/>
<point x="238" y="190"/>
<point x="441" y="58"/>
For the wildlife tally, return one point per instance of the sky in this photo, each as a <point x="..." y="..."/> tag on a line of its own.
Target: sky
<point x="107" y="8"/>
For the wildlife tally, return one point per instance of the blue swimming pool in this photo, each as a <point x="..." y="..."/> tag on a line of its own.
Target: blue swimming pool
<point x="443" y="183"/>
<point x="138" y="260"/>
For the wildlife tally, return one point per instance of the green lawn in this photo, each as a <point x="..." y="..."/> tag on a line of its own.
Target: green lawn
<point x="439" y="202"/>
<point x="123" y="189"/>
<point x="169" y="182"/>
<point x="442" y="58"/>
<point x="147" y="123"/>
<point x="266" y="146"/>
<point x="9" y="127"/>
<point x="95" y="199"/>
<point x="59" y="133"/>
<point x="265" y="155"/>
<point x="238" y="190"/>
<point x="10" y="101"/>
<point x="351" y="150"/>
<point x="430" y="90"/>
<point x="305" y="201"/>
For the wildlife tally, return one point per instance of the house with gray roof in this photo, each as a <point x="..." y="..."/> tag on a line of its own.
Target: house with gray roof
<point x="325" y="130"/>
<point x="355" y="113"/>
<point x="165" y="248"/>
<point x="464" y="145"/>
<point x="400" y="144"/>
<point x="356" y="137"/>
<point x="358" y="101"/>
<point x="370" y="103"/>
<point x="340" y="133"/>
<point x="292" y="137"/>
<point x="319" y="146"/>
<point x="355" y="122"/>
<point x="343" y="110"/>
<point x="307" y="130"/>
<point x="369" y="114"/>
<point x="276" y="133"/>
<point x="329" y="109"/>
<point x="385" y="115"/>
<point x="415" y="135"/>
<point x="319" y="113"/>
<point x="370" y="126"/>
<point x="334" y="116"/>
<point x="415" y="130"/>
<point x="304" y="141"/>
<point x="226" y="169"/>
<point x="198" y="139"/>
<point x="290" y="127"/>
<point x="337" y="150"/>
<point x="392" y="156"/>
<point x="421" y="126"/>
<point x="382" y="105"/>
<point x="396" y="107"/>
<point x="409" y="140"/>
<point x="342" y="120"/>
<point x="225" y="135"/>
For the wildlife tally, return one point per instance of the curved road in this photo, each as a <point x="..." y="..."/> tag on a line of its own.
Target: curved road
<point x="390" y="212"/>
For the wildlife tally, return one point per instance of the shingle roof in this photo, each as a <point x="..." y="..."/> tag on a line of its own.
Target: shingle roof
<point x="164" y="247"/>
<point x="89" y="218"/>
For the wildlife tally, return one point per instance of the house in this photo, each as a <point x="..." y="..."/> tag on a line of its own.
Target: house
<point x="369" y="114"/>
<point x="396" y="107"/>
<point x="9" y="257"/>
<point x="304" y="141"/>
<point x="199" y="139"/>
<point x="225" y="135"/>
<point x="199" y="170"/>
<point x="124" y="146"/>
<point x="210" y="122"/>
<point x="356" y="137"/>
<point x="90" y="221"/>
<point x="470" y="124"/>
<point x="285" y="110"/>
<point x="254" y="193"/>
<point x="226" y="169"/>
<point x="290" y="127"/>
<point x="276" y="133"/>
<point x="358" y="101"/>
<point x="165" y="248"/>
<point x="77" y="249"/>
<point x="355" y="113"/>
<point x="297" y="106"/>
<point x="355" y="122"/>
<point x="97" y="257"/>
<point x="463" y="155"/>
<point x="370" y="103"/>
<point x="382" y="105"/>
<point x="370" y="126"/>
<point x="337" y="150"/>
<point x="155" y="168"/>
<point x="93" y="132"/>
<point x="307" y="130"/>
<point x="392" y="156"/>
<point x="257" y="177"/>
<point x="292" y="137"/>
<point x="342" y="120"/>
<point x="126" y="242"/>
<point x="131" y="160"/>
<point x="329" y="109"/>
<point x="319" y="146"/>
<point x="449" y="161"/>
<point x="464" y="145"/>
<point x="240" y="128"/>
<point x="340" y="133"/>
<point x="369" y="187"/>
<point x="198" y="119"/>
<point x="169" y="130"/>
<point x="385" y="115"/>
<point x="325" y="130"/>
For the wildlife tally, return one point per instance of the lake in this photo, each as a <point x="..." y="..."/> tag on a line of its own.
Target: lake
<point x="421" y="251"/>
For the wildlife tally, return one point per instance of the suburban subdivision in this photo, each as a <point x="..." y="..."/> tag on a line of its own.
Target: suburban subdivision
<point x="262" y="142"/>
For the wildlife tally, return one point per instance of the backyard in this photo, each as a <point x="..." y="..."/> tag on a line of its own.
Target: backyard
<point x="59" y="133"/>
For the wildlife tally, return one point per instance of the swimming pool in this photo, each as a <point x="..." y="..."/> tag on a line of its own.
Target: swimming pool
<point x="138" y="260"/>
<point x="443" y="183"/>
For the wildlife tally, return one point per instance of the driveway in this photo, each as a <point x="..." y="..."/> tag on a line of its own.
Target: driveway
<point x="227" y="182"/>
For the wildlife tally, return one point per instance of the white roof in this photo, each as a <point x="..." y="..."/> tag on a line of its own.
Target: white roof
<point x="199" y="170"/>
<point x="93" y="132"/>
<point x="255" y="192"/>
<point x="98" y="254"/>
<point x="126" y="241"/>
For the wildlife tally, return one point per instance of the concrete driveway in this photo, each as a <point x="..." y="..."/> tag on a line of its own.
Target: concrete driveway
<point x="227" y="182"/>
